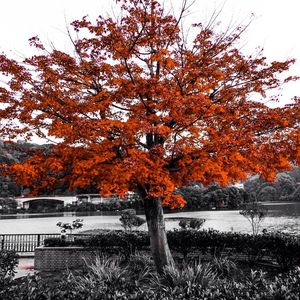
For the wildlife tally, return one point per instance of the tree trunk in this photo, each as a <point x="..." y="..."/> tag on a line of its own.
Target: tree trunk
<point x="158" y="239"/>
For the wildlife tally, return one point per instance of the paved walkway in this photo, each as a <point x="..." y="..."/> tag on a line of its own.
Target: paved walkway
<point x="26" y="264"/>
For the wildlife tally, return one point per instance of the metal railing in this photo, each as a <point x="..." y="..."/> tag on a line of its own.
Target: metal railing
<point x="24" y="242"/>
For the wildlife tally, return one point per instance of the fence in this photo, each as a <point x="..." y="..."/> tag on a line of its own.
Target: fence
<point x="23" y="242"/>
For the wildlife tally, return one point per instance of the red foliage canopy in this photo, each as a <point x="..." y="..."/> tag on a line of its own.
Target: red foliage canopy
<point x="137" y="107"/>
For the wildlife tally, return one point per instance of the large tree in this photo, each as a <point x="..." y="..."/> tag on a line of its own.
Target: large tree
<point x="140" y="107"/>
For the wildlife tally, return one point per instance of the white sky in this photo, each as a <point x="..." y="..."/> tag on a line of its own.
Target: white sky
<point x="275" y="28"/>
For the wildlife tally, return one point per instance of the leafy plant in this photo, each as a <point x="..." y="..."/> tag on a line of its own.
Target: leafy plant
<point x="224" y="267"/>
<point x="107" y="269"/>
<point x="111" y="278"/>
<point x="283" y="249"/>
<point x="186" y="277"/>
<point x="191" y="223"/>
<point x="141" y="268"/>
<point x="8" y="264"/>
<point x="76" y="224"/>
<point x="111" y="275"/>
<point x="57" y="242"/>
<point x="254" y="213"/>
<point x="130" y="220"/>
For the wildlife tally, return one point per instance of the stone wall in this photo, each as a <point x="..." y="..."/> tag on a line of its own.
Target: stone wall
<point x="62" y="258"/>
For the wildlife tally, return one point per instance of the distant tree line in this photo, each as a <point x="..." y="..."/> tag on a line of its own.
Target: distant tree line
<point x="286" y="187"/>
<point x="213" y="196"/>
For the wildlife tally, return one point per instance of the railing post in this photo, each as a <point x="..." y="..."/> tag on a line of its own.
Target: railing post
<point x="23" y="242"/>
<point x="39" y="240"/>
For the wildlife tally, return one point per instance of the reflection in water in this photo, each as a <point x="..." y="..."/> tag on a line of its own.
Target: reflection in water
<point x="31" y="216"/>
<point x="281" y="216"/>
<point x="283" y="209"/>
<point x="59" y="214"/>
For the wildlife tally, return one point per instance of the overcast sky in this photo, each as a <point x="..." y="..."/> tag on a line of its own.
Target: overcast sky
<point x="275" y="27"/>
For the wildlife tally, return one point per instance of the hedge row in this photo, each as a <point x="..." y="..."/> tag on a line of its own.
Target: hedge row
<point x="285" y="250"/>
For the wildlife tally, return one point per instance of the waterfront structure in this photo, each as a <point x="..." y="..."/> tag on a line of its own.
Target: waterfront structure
<point x="28" y="202"/>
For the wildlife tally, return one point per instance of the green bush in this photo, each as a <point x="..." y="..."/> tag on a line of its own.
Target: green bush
<point x="186" y="277"/>
<point x="58" y="242"/>
<point x="191" y="223"/>
<point x="141" y="268"/>
<point x="254" y="212"/>
<point x="284" y="249"/>
<point x="224" y="267"/>
<point x="8" y="264"/>
<point x="76" y="224"/>
<point x="130" y="220"/>
<point x="285" y="286"/>
<point x="120" y="241"/>
<point x="114" y="281"/>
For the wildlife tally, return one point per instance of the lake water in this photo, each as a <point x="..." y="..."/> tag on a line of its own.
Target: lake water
<point x="281" y="216"/>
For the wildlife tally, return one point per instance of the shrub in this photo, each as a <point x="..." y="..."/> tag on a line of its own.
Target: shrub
<point x="120" y="241"/>
<point x="254" y="213"/>
<point x="257" y="286"/>
<point x="57" y="242"/>
<point x="284" y="249"/>
<point x="191" y="282"/>
<point x="76" y="224"/>
<point x="106" y="270"/>
<point x="8" y="264"/>
<point x="141" y="269"/>
<point x="191" y="223"/>
<point x="224" y="267"/>
<point x="129" y="220"/>
<point x="280" y="247"/>
<point x="186" y="277"/>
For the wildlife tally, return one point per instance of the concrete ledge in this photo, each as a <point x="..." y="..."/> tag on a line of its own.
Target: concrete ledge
<point x="62" y="258"/>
